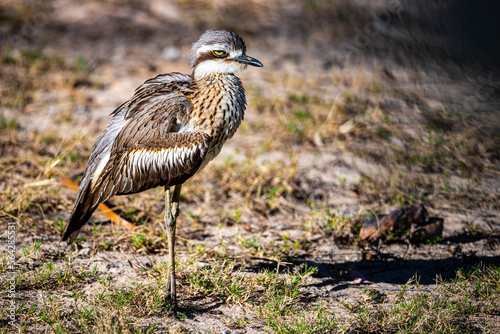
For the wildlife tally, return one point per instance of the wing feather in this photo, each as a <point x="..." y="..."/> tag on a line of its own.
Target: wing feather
<point x="155" y="159"/>
<point x="140" y="148"/>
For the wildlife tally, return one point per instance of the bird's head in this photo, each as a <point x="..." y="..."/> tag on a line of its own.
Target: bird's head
<point x="219" y="51"/>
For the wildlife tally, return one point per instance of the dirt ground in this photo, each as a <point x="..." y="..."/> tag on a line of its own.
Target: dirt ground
<point x="343" y="122"/>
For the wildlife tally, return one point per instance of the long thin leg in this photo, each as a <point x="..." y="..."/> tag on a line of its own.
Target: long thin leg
<point x="175" y="201"/>
<point x="170" y="228"/>
<point x="167" y="212"/>
<point x="171" y="214"/>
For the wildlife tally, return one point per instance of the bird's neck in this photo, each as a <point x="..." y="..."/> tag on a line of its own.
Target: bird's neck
<point x="219" y="104"/>
<point x="213" y="79"/>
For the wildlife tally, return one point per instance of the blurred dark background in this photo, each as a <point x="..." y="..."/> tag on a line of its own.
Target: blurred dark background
<point x="465" y="32"/>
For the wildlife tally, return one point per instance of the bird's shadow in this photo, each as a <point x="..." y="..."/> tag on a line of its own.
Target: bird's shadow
<point x="390" y="270"/>
<point x="203" y="305"/>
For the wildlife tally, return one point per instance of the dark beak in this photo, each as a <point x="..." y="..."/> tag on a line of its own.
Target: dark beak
<point x="247" y="60"/>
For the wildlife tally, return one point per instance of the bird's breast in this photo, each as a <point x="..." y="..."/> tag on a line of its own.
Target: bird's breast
<point x="218" y="108"/>
<point x="218" y="111"/>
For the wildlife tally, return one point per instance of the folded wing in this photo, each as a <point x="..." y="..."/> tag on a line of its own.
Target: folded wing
<point x="144" y="146"/>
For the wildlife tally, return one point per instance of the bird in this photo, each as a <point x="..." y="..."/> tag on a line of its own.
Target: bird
<point x="170" y="129"/>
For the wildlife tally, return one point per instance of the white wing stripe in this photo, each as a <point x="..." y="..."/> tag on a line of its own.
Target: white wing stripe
<point x="141" y="160"/>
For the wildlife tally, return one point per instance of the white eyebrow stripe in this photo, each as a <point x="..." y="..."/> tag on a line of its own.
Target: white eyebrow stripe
<point x="235" y="53"/>
<point x="212" y="47"/>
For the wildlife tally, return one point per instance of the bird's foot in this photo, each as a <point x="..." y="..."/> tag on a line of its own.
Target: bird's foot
<point x="170" y="299"/>
<point x="171" y="305"/>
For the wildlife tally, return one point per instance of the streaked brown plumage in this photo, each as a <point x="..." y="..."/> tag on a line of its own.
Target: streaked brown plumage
<point x="169" y="130"/>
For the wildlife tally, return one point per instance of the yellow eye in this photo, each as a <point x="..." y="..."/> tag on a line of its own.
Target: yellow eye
<point x="219" y="53"/>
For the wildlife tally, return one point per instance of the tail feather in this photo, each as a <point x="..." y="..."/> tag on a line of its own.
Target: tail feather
<point x="76" y="222"/>
<point x="80" y="215"/>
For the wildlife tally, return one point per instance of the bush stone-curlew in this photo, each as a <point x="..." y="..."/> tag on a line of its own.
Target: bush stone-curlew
<point x="168" y="131"/>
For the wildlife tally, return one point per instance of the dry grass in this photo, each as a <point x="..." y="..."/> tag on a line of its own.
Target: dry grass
<point x="445" y="309"/>
<point x="279" y="298"/>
